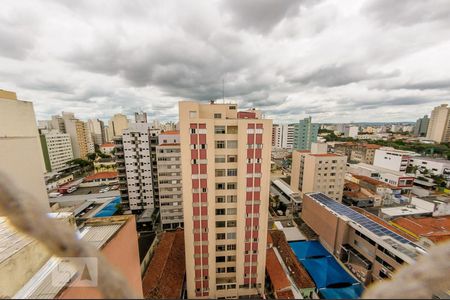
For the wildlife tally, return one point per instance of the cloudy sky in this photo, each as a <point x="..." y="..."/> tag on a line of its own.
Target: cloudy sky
<point x="336" y="60"/>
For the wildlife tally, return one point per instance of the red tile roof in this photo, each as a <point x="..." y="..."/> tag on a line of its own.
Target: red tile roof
<point x="276" y="273"/>
<point x="174" y="132"/>
<point x="437" y="229"/>
<point x="101" y="175"/>
<point x="375" y="182"/>
<point x="107" y="145"/>
<point x="170" y="144"/>
<point x="285" y="294"/>
<point x="164" y="277"/>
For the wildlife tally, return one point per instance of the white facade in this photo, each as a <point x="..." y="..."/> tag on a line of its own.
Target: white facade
<point x="20" y="151"/>
<point x="394" y="178"/>
<point x="59" y="150"/>
<point x="434" y="166"/>
<point x="138" y="165"/>
<point x="283" y="136"/>
<point x="393" y="159"/>
<point x="97" y="130"/>
<point x="351" y="131"/>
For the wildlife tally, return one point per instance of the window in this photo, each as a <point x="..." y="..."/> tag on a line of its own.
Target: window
<point x="231" y="235"/>
<point x="220" y="172"/>
<point x="231" y="258"/>
<point x="232" y="199"/>
<point x="217" y="116"/>
<point x="220" y="224"/>
<point x="219" y="129"/>
<point x="220" y="199"/>
<point x="220" y="248"/>
<point x="231" y="247"/>
<point x="220" y="144"/>
<point x="231" y="144"/>
<point x="220" y="212"/>
<point x="232" y="158"/>
<point x="231" y="211"/>
<point x="230" y="223"/>
<point x="220" y="236"/>
<point x="220" y="258"/>
<point x="232" y="172"/>
<point x="220" y="159"/>
<point x="220" y="186"/>
<point x="220" y="270"/>
<point x="231" y="185"/>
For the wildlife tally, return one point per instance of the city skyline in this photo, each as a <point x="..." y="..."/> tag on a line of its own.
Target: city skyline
<point x="295" y="62"/>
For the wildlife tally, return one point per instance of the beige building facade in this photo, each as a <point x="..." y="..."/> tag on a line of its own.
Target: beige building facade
<point x="225" y="177"/>
<point x="117" y="125"/>
<point x="21" y="157"/>
<point x="439" y="125"/>
<point x="80" y="135"/>
<point x="318" y="171"/>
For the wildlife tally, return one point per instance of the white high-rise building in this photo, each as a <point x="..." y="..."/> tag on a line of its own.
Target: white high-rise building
<point x="97" y="130"/>
<point x="439" y="124"/>
<point x="57" y="150"/>
<point x="283" y="136"/>
<point x="393" y="159"/>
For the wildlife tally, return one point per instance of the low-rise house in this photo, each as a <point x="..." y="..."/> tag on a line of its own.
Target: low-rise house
<point x="99" y="179"/>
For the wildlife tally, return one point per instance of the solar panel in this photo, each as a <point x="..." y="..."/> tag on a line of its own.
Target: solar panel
<point x="358" y="218"/>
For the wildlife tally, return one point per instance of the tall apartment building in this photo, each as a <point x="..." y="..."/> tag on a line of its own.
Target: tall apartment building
<point x="20" y="151"/>
<point x="421" y="127"/>
<point x="226" y="177"/>
<point x="57" y="150"/>
<point x="439" y="125"/>
<point x="393" y="159"/>
<point x="97" y="129"/>
<point x="168" y="157"/>
<point x="134" y="168"/>
<point x="318" y="171"/>
<point x="80" y="135"/>
<point x="117" y="125"/>
<point x="305" y="133"/>
<point x="283" y="136"/>
<point x="351" y="131"/>
<point x="58" y="124"/>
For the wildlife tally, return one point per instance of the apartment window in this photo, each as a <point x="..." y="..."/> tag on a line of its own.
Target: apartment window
<point x="231" y="211"/>
<point x="220" y="144"/>
<point x="220" y="248"/>
<point x="219" y="129"/>
<point x="232" y="172"/>
<point x="220" y="270"/>
<point x="220" y="212"/>
<point x="220" y="236"/>
<point x="231" y="223"/>
<point x="231" y="247"/>
<point x="232" y="158"/>
<point x="217" y="116"/>
<point x="220" y="224"/>
<point x="220" y="172"/>
<point x="232" y="199"/>
<point x="220" y="186"/>
<point x="231" y="235"/>
<point x="231" y="185"/>
<point x="232" y="129"/>
<point x="231" y="270"/>
<point x="231" y="258"/>
<point x="231" y="144"/>
<point x="220" y="159"/>
<point x="220" y="259"/>
<point x="220" y="199"/>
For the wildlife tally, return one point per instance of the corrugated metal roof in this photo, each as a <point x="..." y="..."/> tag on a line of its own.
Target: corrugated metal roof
<point x="41" y="286"/>
<point x="11" y="241"/>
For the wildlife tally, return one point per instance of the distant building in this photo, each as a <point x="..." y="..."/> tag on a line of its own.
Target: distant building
<point x="97" y="130"/>
<point x="351" y="131"/>
<point x="283" y="136"/>
<point x="57" y="150"/>
<point x="318" y="171"/>
<point x="432" y="165"/>
<point x="117" y="124"/>
<point x="168" y="157"/>
<point x="439" y="125"/>
<point x="305" y="133"/>
<point x="57" y="123"/>
<point x="357" y="152"/>
<point x="421" y="127"/>
<point x="107" y="148"/>
<point x="80" y="135"/>
<point x="21" y="157"/>
<point x="226" y="177"/>
<point x="140" y="117"/>
<point x="393" y="159"/>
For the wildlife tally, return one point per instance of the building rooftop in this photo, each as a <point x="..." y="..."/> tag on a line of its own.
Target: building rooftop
<point x="326" y="155"/>
<point x="171" y="132"/>
<point x="106" y="145"/>
<point x="101" y="175"/>
<point x="375" y="182"/>
<point x="437" y="229"/>
<point x="164" y="277"/>
<point x="382" y="170"/>
<point x="170" y="144"/>
<point x="276" y="273"/>
<point x="439" y="160"/>
<point x="285" y="294"/>
<point x="95" y="231"/>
